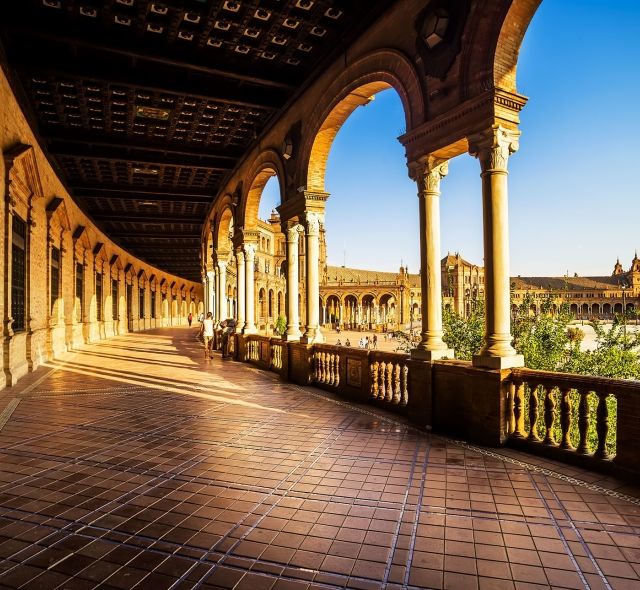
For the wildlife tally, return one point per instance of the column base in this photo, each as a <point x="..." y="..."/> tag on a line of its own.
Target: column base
<point x="420" y="354"/>
<point x="250" y="330"/>
<point x="291" y="337"/>
<point x="498" y="362"/>
<point x="316" y="337"/>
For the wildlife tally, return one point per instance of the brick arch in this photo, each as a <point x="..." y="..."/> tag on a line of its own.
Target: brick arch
<point x="267" y="164"/>
<point x="380" y="70"/>
<point x="492" y="46"/>
<point x="224" y="224"/>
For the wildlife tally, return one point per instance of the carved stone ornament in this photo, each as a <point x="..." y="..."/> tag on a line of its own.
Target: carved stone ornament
<point x="249" y="252"/>
<point x="428" y="173"/>
<point x="293" y="233"/>
<point x="313" y="223"/>
<point x="493" y="147"/>
<point x="239" y="256"/>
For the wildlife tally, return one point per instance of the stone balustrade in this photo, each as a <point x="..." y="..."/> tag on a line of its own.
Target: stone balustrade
<point x="574" y="417"/>
<point x="589" y="421"/>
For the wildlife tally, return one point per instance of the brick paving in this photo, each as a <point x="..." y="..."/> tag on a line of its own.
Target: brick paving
<point x="135" y="463"/>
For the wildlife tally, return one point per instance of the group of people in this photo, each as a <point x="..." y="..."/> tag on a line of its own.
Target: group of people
<point x="364" y="342"/>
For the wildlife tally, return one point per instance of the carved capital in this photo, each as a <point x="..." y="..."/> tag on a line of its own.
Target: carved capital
<point x="293" y="233"/>
<point x="210" y="276"/>
<point x="313" y="221"/>
<point x="493" y="147"/>
<point x="428" y="172"/>
<point x="249" y="252"/>
<point x="239" y="256"/>
<point x="222" y="265"/>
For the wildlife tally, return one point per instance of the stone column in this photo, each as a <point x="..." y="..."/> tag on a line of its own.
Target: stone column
<point x="222" y="290"/>
<point x="216" y="293"/>
<point x="210" y="291"/>
<point x="428" y="174"/>
<point x="493" y="148"/>
<point x="293" y="317"/>
<point x="240" y="275"/>
<point x="312" y="236"/>
<point x="250" y="322"/>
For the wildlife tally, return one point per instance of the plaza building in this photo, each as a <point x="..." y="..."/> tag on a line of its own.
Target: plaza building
<point x="137" y="137"/>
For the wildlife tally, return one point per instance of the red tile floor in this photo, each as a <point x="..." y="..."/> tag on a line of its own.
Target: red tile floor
<point x="135" y="463"/>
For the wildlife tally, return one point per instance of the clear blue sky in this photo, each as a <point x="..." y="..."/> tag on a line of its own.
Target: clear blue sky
<point x="574" y="186"/>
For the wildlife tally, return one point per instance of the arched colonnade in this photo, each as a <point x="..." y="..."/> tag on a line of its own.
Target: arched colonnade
<point x="471" y="108"/>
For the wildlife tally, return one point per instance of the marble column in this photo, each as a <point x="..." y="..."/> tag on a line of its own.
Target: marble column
<point x="211" y="280"/>
<point x="428" y="174"/>
<point x="293" y="316"/>
<point x="312" y="236"/>
<point x="240" y="277"/>
<point x="493" y="148"/>
<point x="222" y="287"/>
<point x="250" y="307"/>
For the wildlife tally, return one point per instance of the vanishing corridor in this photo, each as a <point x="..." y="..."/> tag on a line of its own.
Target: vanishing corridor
<point x="138" y="464"/>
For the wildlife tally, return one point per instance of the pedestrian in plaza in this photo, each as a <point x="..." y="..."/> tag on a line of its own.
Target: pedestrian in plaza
<point x="367" y="343"/>
<point x="347" y="343"/>
<point x="338" y="343"/>
<point x="375" y="341"/>
<point x="190" y="318"/>
<point x="207" y="334"/>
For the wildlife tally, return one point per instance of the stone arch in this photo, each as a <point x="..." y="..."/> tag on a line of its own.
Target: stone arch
<point x="507" y="50"/>
<point x="267" y="164"/>
<point x="223" y="228"/>
<point x="379" y="70"/>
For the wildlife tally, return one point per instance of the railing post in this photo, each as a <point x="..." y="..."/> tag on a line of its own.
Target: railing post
<point x="602" y="426"/>
<point x="533" y="413"/>
<point x="549" y="415"/>
<point x="565" y="419"/>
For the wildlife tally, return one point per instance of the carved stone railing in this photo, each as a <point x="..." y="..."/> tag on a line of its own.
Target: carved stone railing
<point x="587" y="419"/>
<point x="277" y="352"/>
<point x="389" y="378"/>
<point x="325" y="365"/>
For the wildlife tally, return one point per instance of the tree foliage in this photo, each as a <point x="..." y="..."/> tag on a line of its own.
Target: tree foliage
<point x="548" y="341"/>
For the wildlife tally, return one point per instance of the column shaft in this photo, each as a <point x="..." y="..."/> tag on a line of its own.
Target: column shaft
<point x="222" y="288"/>
<point x="293" y="317"/>
<point x="312" y="235"/>
<point x="429" y="175"/>
<point x="250" y="307"/>
<point x="493" y="148"/>
<point x="240" y="275"/>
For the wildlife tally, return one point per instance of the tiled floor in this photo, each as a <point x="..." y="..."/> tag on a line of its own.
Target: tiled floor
<point x="138" y="464"/>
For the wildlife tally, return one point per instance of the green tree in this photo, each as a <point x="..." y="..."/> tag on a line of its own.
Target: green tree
<point x="464" y="335"/>
<point x="280" y="326"/>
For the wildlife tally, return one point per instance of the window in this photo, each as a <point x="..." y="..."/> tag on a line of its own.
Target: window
<point x="55" y="276"/>
<point x="141" y="302"/>
<point x="266" y="266"/>
<point x="114" y="298"/>
<point x="153" y="305"/>
<point x="99" y="296"/>
<point x="18" y="276"/>
<point x="79" y="290"/>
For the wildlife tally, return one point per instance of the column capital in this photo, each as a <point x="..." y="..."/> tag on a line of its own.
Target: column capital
<point x="494" y="146"/>
<point x="293" y="233"/>
<point x="249" y="251"/>
<point x="210" y="275"/>
<point x="428" y="172"/>
<point x="313" y="221"/>
<point x="239" y="254"/>
<point x="222" y="265"/>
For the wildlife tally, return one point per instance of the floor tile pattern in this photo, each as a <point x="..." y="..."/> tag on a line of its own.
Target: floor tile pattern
<point x="136" y="463"/>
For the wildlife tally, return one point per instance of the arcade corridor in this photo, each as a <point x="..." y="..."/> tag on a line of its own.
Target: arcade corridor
<point x="135" y="463"/>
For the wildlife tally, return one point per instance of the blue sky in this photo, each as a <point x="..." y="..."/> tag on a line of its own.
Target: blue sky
<point x="573" y="185"/>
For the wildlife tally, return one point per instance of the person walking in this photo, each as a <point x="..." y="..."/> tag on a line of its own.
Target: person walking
<point x="190" y="318"/>
<point x="207" y="334"/>
<point x="375" y="341"/>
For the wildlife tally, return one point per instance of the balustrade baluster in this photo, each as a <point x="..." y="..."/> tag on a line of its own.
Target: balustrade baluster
<point x="374" y="379"/>
<point x="389" y="395"/>
<point x="518" y="411"/>
<point x="396" y="384"/>
<point x="331" y="372"/>
<point x="337" y="370"/>
<point x="316" y="367"/>
<point x="404" y="398"/>
<point x="510" y="418"/>
<point x="583" y="422"/>
<point x="549" y="415"/>
<point x="533" y="414"/>
<point x="565" y="419"/>
<point x="602" y="426"/>
<point x="383" y="383"/>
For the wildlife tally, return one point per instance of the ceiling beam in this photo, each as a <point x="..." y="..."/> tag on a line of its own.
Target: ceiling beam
<point x="133" y="144"/>
<point x="139" y="194"/>
<point x="192" y="237"/>
<point x="144" y="217"/>
<point x="120" y="157"/>
<point x="137" y="54"/>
